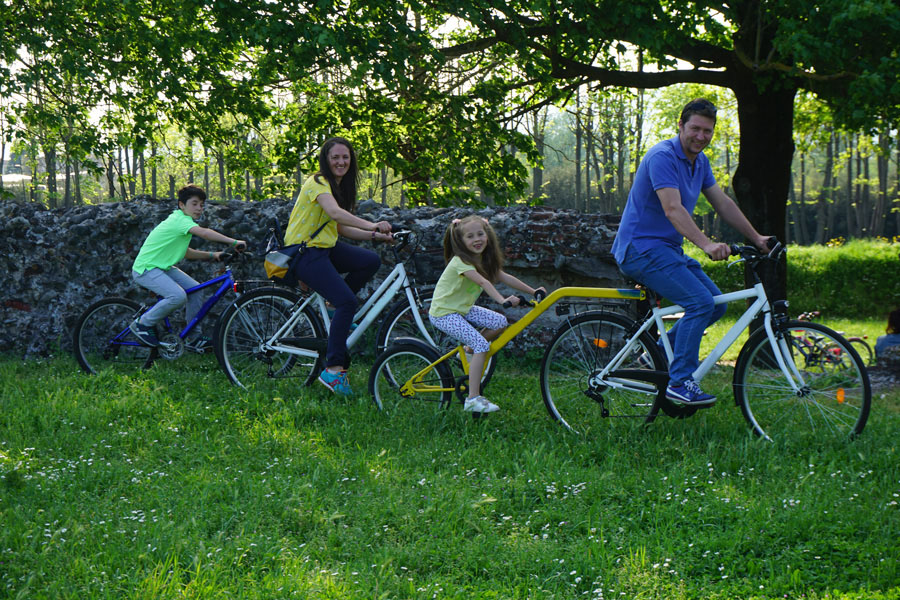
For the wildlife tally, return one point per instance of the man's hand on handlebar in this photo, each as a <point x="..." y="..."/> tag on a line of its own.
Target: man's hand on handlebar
<point x="717" y="250"/>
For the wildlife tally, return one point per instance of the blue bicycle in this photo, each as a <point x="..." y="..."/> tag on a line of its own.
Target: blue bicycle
<point x="101" y="338"/>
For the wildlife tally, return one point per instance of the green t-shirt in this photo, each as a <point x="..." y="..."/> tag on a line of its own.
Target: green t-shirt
<point x="454" y="292"/>
<point x="308" y="215"/>
<point x="166" y="244"/>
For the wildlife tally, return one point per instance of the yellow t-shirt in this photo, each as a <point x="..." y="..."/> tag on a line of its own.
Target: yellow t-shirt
<point x="308" y="215"/>
<point x="454" y="292"/>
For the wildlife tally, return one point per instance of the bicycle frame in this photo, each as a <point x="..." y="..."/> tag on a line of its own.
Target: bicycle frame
<point x="415" y="383"/>
<point x="227" y="282"/>
<point x="368" y="312"/>
<point x="759" y="305"/>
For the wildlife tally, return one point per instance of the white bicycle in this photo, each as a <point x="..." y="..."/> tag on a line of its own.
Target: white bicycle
<point x="783" y="384"/>
<point x="275" y="332"/>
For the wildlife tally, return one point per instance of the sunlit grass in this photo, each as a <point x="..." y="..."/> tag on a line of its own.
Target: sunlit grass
<point x="173" y="484"/>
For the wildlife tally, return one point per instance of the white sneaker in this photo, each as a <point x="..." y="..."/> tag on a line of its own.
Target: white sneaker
<point x="480" y="404"/>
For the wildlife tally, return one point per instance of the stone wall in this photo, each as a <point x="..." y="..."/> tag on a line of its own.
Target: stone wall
<point x="55" y="263"/>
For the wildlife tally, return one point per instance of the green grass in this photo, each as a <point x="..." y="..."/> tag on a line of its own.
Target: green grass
<point x="173" y="484"/>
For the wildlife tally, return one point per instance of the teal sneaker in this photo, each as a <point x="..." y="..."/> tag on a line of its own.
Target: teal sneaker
<point x="339" y="383"/>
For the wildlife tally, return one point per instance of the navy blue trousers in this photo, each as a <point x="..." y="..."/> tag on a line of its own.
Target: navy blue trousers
<point x="321" y="269"/>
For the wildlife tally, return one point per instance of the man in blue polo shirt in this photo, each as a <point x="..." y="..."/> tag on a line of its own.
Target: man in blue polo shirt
<point x="654" y="224"/>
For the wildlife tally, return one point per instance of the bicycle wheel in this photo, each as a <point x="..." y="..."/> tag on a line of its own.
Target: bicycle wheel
<point x="395" y="367"/>
<point x="248" y="325"/>
<point x="399" y="323"/>
<point x="836" y="395"/>
<point x="101" y="338"/>
<point x="573" y="391"/>
<point x="864" y="350"/>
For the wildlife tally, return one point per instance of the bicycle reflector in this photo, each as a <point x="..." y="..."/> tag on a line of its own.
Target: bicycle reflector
<point x="840" y="395"/>
<point x="601" y="343"/>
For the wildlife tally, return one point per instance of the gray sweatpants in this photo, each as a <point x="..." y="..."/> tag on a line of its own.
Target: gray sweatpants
<point x="170" y="285"/>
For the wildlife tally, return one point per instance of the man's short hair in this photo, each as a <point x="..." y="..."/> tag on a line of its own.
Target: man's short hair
<point x="698" y="106"/>
<point x="189" y="191"/>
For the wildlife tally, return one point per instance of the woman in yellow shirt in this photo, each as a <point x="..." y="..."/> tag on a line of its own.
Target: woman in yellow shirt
<point x="323" y="210"/>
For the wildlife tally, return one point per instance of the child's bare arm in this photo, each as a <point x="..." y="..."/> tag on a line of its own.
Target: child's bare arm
<point x="192" y="254"/>
<point x="489" y="288"/>
<point x="517" y="284"/>
<point x="211" y="235"/>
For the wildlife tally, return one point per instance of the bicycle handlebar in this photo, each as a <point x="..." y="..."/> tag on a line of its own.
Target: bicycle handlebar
<point x="229" y="254"/>
<point x="751" y="253"/>
<point x="523" y="301"/>
<point x="404" y="237"/>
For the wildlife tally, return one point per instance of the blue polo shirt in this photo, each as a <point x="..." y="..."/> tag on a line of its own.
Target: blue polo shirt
<point x="644" y="223"/>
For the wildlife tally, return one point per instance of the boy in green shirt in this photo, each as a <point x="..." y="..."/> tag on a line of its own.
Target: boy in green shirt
<point x="154" y="268"/>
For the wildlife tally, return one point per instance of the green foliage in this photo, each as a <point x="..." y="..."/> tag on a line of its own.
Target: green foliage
<point x="857" y="279"/>
<point x="172" y="484"/>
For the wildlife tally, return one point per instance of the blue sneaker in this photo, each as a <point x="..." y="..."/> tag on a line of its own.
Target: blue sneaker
<point x="689" y="394"/>
<point x="146" y="335"/>
<point x="339" y="383"/>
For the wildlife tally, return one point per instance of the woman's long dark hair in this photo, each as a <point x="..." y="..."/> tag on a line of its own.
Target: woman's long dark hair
<point x="345" y="192"/>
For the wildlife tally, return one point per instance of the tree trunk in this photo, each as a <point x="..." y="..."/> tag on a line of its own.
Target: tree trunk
<point x="851" y="220"/>
<point x="142" y="168"/>
<point x="621" y="192"/>
<point x="577" y="149"/>
<point x="220" y="157"/>
<point x="897" y="194"/>
<point x="206" y="169"/>
<point x="67" y="196"/>
<point x="800" y="218"/>
<point x="110" y="180"/>
<point x="190" y="158"/>
<point x="639" y="120"/>
<point x="879" y="215"/>
<point x="76" y="166"/>
<point x="763" y="176"/>
<point x="153" y="169"/>
<point x="588" y="147"/>
<point x="131" y="167"/>
<point x="119" y="171"/>
<point x="2" y="160"/>
<point x="50" y="166"/>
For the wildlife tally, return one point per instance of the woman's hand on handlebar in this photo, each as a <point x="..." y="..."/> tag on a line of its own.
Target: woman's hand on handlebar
<point x="540" y="293"/>
<point x="383" y="227"/>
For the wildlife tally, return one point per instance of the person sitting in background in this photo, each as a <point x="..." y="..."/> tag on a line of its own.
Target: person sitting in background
<point x="893" y="334"/>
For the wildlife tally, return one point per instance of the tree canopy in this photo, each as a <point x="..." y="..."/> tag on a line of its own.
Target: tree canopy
<point x="434" y="89"/>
